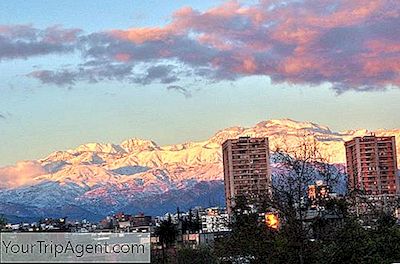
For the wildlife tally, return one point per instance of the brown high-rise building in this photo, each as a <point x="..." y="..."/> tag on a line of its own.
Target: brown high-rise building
<point x="247" y="171"/>
<point x="372" y="165"/>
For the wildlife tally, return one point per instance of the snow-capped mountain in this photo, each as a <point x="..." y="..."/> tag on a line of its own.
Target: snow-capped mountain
<point x="96" y="179"/>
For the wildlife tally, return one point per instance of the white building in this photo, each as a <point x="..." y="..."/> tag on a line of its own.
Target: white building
<point x="215" y="219"/>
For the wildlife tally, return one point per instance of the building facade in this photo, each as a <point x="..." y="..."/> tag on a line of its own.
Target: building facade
<point x="214" y="219"/>
<point x="247" y="170"/>
<point x="372" y="165"/>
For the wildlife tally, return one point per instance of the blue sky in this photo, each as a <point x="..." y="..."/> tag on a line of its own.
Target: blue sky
<point x="94" y="15"/>
<point x="40" y="116"/>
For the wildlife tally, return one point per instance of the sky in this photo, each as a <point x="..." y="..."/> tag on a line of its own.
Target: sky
<point x="74" y="72"/>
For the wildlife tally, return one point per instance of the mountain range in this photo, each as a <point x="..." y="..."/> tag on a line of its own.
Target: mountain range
<point x="97" y="179"/>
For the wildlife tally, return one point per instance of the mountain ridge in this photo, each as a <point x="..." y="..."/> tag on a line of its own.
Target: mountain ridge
<point x="138" y="173"/>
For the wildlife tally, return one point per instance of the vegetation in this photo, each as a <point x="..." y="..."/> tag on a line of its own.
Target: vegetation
<point x="191" y="223"/>
<point x="340" y="238"/>
<point x="167" y="233"/>
<point x="251" y="241"/>
<point x="3" y="222"/>
<point x="335" y="235"/>
<point x="199" y="255"/>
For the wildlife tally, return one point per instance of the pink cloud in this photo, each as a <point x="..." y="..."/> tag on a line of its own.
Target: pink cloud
<point x="57" y="34"/>
<point x="20" y="174"/>
<point x="123" y="57"/>
<point x="141" y="35"/>
<point x="247" y="66"/>
<point x="349" y="44"/>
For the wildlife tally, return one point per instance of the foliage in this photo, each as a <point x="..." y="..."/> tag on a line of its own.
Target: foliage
<point x="191" y="223"/>
<point x="355" y="244"/>
<point x="348" y="242"/>
<point x="166" y="232"/>
<point x="3" y="222"/>
<point x="201" y="255"/>
<point x="333" y="236"/>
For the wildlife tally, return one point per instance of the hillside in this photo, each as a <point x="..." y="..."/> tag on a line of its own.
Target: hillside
<point x="139" y="175"/>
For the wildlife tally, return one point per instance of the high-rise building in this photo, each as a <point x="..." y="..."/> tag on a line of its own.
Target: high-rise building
<point x="372" y="165"/>
<point x="247" y="171"/>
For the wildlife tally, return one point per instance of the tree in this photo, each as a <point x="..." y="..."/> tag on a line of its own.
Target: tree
<point x="3" y="222"/>
<point x="249" y="241"/>
<point x="335" y="234"/>
<point x="201" y="255"/>
<point x="191" y="224"/>
<point x="167" y="233"/>
<point x="197" y="222"/>
<point x="353" y="243"/>
<point x="296" y="167"/>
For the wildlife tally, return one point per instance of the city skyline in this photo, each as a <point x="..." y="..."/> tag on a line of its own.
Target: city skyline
<point x="214" y="131"/>
<point x="60" y="88"/>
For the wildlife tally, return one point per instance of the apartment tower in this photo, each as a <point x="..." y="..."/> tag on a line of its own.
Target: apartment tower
<point x="247" y="170"/>
<point x="372" y="165"/>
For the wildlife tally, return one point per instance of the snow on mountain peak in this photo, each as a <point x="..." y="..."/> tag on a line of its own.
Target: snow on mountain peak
<point x="106" y="177"/>
<point x="82" y="175"/>
<point x="136" y="144"/>
<point x="268" y="128"/>
<point x="294" y="125"/>
<point x="99" y="147"/>
<point x="135" y="155"/>
<point x="146" y="153"/>
<point x="225" y="134"/>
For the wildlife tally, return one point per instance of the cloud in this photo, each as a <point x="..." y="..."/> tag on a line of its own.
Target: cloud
<point x="162" y="73"/>
<point x="21" y="174"/>
<point x="180" y="89"/>
<point x="24" y="41"/>
<point x="351" y="45"/>
<point x="2" y="116"/>
<point x="61" y="78"/>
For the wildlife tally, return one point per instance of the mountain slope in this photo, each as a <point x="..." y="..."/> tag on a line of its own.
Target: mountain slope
<point x="140" y="175"/>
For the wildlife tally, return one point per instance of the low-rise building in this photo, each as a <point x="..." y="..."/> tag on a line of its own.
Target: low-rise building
<point x="214" y="219"/>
